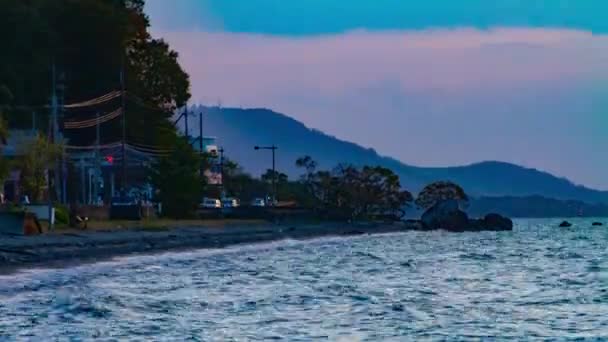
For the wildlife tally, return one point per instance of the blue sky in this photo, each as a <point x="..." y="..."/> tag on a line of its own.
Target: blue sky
<point x="430" y="82"/>
<point x="305" y="17"/>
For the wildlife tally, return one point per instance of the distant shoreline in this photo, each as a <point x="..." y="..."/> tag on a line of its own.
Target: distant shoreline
<point x="65" y="249"/>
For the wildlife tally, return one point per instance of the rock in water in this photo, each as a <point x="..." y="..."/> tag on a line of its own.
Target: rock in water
<point x="497" y="222"/>
<point x="565" y="224"/>
<point x="446" y="215"/>
<point x="597" y="224"/>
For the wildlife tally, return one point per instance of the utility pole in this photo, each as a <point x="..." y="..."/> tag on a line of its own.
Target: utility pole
<point x="124" y="128"/>
<point x="222" y="192"/>
<point x="97" y="159"/>
<point x="61" y="178"/>
<point x="52" y="126"/>
<point x="273" y="148"/>
<point x="186" y="124"/>
<point x="201" y="144"/>
<point x="274" y="176"/>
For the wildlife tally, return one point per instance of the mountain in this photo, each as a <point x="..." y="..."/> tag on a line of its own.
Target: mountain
<point x="239" y="130"/>
<point x="534" y="206"/>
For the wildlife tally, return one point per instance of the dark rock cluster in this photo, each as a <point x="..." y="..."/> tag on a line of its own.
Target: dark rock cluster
<point x="447" y="215"/>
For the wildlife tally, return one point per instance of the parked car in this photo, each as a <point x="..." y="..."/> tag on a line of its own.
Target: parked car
<point x="211" y="203"/>
<point x="258" y="202"/>
<point x="230" y="203"/>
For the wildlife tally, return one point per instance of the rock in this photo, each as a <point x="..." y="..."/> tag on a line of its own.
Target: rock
<point x="477" y="225"/>
<point x="398" y="307"/>
<point x="597" y="224"/>
<point x="565" y="224"/>
<point x="497" y="222"/>
<point x="446" y="215"/>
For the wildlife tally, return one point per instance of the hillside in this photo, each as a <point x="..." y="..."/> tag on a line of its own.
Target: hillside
<point x="534" y="206"/>
<point x="239" y="130"/>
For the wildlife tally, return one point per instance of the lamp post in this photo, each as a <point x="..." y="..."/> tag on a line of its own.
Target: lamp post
<point x="272" y="148"/>
<point x="223" y="190"/>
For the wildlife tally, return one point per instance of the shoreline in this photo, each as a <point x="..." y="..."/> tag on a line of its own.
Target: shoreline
<point x="59" y="250"/>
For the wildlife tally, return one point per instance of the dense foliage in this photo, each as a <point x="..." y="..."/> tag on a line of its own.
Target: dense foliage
<point x="177" y="180"/>
<point x="88" y="42"/>
<point x="440" y="191"/>
<point x="349" y="192"/>
<point x="39" y="156"/>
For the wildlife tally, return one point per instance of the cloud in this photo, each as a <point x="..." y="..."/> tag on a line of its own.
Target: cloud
<point x="435" y="97"/>
<point x="446" y="60"/>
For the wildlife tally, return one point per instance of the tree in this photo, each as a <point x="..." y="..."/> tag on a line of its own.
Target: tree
<point x="349" y="192"/>
<point x="3" y="130"/>
<point x="39" y="156"/>
<point x="178" y="180"/>
<point x="89" y="42"/>
<point x="438" y="192"/>
<point x="308" y="164"/>
<point x="370" y="192"/>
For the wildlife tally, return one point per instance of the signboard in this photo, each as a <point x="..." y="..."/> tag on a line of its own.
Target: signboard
<point x="214" y="173"/>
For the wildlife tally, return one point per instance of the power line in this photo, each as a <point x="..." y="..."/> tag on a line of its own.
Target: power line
<point x="88" y="103"/>
<point x="92" y="122"/>
<point x="99" y="100"/>
<point x="93" y="147"/>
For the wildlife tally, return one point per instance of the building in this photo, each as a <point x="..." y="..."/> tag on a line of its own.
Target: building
<point x="14" y="148"/>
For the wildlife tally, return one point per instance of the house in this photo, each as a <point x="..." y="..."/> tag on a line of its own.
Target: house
<point x="11" y="150"/>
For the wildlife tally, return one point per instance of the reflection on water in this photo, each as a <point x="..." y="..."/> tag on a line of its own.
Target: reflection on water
<point x="538" y="281"/>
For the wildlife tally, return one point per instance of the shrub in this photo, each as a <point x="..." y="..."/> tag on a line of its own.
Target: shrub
<point x="62" y="214"/>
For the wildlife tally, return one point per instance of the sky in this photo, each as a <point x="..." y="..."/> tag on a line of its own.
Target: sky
<point x="429" y="82"/>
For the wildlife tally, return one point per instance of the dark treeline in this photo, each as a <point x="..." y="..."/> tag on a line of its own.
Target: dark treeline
<point x="345" y="193"/>
<point x="89" y="43"/>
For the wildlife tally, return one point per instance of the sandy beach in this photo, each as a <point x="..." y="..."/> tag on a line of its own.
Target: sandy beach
<point x="73" y="247"/>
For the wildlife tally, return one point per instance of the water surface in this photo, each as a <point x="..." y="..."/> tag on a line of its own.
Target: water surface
<point x="538" y="281"/>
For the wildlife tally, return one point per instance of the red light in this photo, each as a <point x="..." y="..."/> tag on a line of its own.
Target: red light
<point x="110" y="159"/>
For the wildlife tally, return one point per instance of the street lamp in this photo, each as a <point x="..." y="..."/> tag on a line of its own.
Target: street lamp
<point x="223" y="190"/>
<point x="273" y="148"/>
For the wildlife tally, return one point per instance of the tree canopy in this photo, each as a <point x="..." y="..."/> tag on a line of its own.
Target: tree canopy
<point x="178" y="181"/>
<point x="89" y="42"/>
<point x="440" y="191"/>
<point x="349" y="192"/>
<point x="38" y="157"/>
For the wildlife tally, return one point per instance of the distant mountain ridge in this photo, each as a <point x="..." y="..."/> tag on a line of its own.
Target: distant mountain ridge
<point x="238" y="130"/>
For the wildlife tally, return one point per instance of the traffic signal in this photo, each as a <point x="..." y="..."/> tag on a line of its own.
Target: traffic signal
<point x="109" y="159"/>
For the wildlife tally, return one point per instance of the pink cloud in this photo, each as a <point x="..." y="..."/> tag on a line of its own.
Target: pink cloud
<point x="225" y="64"/>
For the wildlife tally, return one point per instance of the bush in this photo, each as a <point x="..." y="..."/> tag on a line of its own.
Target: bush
<point x="62" y="214"/>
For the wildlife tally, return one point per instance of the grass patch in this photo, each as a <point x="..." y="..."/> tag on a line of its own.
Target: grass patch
<point x="158" y="224"/>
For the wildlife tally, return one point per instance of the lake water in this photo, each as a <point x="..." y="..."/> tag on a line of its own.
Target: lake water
<point x="537" y="281"/>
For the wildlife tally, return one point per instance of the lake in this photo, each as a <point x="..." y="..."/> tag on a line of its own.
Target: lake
<point x="538" y="281"/>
